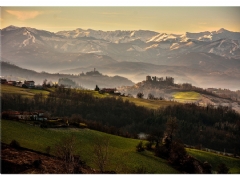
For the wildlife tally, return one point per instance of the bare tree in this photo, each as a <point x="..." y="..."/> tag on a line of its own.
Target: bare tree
<point x="172" y="126"/>
<point x="65" y="149"/>
<point x="140" y="95"/>
<point x="101" y="152"/>
<point x="151" y="96"/>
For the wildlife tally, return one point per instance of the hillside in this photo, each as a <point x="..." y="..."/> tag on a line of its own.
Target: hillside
<point x="150" y="104"/>
<point x="184" y="93"/>
<point x="122" y="158"/>
<point x="127" y="116"/>
<point x="121" y="149"/>
<point x="13" y="72"/>
<point x="27" y="161"/>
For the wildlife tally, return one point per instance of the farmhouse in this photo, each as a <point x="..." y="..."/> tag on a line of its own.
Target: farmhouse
<point x="3" y="81"/>
<point x="12" y="83"/>
<point x="38" y="115"/>
<point x="29" y="84"/>
<point x="19" y="84"/>
<point x="11" y="115"/>
<point x="110" y="91"/>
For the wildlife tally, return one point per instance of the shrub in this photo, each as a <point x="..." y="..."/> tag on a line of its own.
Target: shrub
<point x="149" y="145"/>
<point x="15" y="144"/>
<point x="187" y="164"/>
<point x="139" y="147"/>
<point x="177" y="153"/>
<point x="162" y="151"/>
<point x="37" y="163"/>
<point x="222" y="169"/>
<point x="207" y="168"/>
<point x="101" y="153"/>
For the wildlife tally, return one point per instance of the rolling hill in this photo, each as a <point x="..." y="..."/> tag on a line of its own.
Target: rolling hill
<point x="13" y="72"/>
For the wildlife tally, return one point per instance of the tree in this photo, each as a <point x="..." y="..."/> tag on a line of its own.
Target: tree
<point x="44" y="83"/>
<point x="155" y="136"/>
<point x="139" y="147"/>
<point x="177" y="153"/>
<point x="222" y="169"/>
<point x="65" y="149"/>
<point x="150" y="96"/>
<point x="96" y="88"/>
<point x="140" y="95"/>
<point x="101" y="153"/>
<point x="172" y="127"/>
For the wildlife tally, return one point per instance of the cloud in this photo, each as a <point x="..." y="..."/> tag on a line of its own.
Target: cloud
<point x="24" y="15"/>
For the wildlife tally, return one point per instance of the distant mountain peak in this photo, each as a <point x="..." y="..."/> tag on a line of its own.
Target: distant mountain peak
<point x="221" y="30"/>
<point x="10" y="27"/>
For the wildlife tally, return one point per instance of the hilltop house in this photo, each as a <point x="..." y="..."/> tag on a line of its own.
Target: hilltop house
<point x="3" y="81"/>
<point x="12" y="83"/>
<point x="29" y="84"/>
<point x="19" y="84"/>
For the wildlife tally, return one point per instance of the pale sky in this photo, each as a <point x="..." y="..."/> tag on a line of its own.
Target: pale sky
<point x="160" y="19"/>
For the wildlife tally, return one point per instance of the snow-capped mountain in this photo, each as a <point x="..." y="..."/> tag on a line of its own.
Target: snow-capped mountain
<point x="43" y="50"/>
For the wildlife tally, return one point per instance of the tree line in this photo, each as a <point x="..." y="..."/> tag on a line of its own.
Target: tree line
<point x="214" y="128"/>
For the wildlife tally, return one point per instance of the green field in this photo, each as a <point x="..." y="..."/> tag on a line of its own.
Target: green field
<point x="123" y="157"/>
<point x="151" y="104"/>
<point x="25" y="92"/>
<point x="186" y="96"/>
<point x="215" y="160"/>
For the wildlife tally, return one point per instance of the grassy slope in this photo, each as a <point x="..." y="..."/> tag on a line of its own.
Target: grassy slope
<point x="151" y="104"/>
<point x="25" y="92"/>
<point x="215" y="160"/>
<point x="186" y="96"/>
<point x="123" y="157"/>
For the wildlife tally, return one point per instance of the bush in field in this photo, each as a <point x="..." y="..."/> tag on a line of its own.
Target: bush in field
<point x="140" y="95"/>
<point x="222" y="169"/>
<point x="15" y="144"/>
<point x="149" y="145"/>
<point x="162" y="151"/>
<point x="139" y="147"/>
<point x="101" y="153"/>
<point x="177" y="153"/>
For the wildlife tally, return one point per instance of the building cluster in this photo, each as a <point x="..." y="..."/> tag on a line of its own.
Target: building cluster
<point x="167" y="80"/>
<point x="110" y="91"/>
<point x="36" y="116"/>
<point x="26" y="84"/>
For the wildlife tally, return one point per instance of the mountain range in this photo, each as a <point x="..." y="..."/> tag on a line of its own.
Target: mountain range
<point x="206" y="59"/>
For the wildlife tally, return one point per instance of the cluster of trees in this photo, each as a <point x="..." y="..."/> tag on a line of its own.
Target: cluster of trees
<point x="196" y="125"/>
<point x="67" y="82"/>
<point x="166" y="146"/>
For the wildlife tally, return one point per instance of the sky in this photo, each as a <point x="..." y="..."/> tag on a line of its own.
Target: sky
<point x="167" y="19"/>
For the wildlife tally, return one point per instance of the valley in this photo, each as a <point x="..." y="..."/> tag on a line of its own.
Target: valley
<point x="124" y="101"/>
<point x="205" y="59"/>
